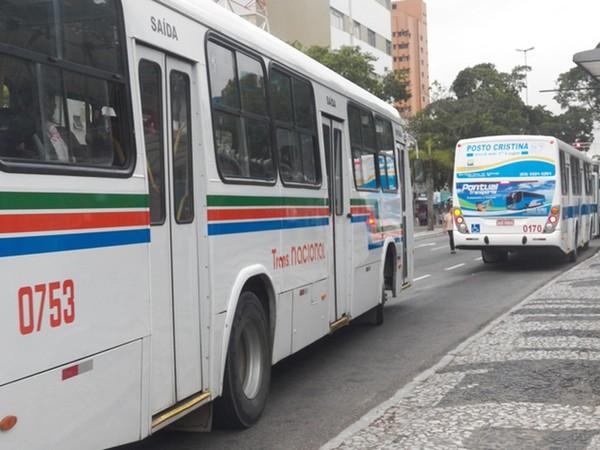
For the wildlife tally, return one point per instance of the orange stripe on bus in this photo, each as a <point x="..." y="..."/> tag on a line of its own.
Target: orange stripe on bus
<point x="29" y="223"/>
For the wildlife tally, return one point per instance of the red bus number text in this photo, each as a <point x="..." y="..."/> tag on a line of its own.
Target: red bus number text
<point x="46" y="304"/>
<point x="532" y="228"/>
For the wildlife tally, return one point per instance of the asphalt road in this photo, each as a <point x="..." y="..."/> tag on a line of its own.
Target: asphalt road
<point x="318" y="392"/>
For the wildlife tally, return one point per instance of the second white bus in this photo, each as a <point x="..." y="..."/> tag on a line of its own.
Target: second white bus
<point x="185" y="201"/>
<point x="515" y="193"/>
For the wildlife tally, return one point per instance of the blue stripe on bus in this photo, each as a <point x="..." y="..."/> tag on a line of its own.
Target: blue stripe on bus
<point x="215" y="229"/>
<point x="30" y="245"/>
<point x="359" y="218"/>
<point x="375" y="245"/>
<point x="570" y="212"/>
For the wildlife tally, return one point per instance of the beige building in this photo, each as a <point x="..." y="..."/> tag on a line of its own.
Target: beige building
<point x="409" y="51"/>
<point x="336" y="23"/>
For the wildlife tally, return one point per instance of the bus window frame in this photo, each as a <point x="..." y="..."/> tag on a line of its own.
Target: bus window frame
<point x="189" y="148"/>
<point x="128" y="124"/>
<point x="163" y="197"/>
<point x="274" y="65"/>
<point x="234" y="46"/>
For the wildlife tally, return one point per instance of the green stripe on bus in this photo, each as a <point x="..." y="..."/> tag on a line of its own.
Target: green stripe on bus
<point x="363" y="202"/>
<point x="238" y="200"/>
<point x="59" y="200"/>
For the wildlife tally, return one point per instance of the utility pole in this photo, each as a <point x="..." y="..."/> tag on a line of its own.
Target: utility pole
<point x="525" y="50"/>
<point x="429" y="183"/>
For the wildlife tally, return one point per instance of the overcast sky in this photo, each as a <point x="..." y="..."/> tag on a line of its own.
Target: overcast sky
<point x="463" y="33"/>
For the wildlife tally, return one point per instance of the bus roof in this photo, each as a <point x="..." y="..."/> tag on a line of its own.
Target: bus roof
<point x="219" y="19"/>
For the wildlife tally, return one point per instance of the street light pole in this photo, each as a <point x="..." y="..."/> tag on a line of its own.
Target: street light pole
<point x="525" y="50"/>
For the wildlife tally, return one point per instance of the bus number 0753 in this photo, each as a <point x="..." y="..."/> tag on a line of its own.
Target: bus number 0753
<point x="532" y="228"/>
<point x="56" y="297"/>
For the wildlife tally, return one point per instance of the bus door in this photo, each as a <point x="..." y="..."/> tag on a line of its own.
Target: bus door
<point x="402" y="181"/>
<point x="167" y="90"/>
<point x="339" y="208"/>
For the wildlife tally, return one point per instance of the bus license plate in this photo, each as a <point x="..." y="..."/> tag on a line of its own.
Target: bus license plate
<point x="505" y="222"/>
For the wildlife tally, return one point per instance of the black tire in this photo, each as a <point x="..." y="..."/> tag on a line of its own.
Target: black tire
<point x="575" y="253"/>
<point x="378" y="310"/>
<point x="247" y="368"/>
<point x="493" y="256"/>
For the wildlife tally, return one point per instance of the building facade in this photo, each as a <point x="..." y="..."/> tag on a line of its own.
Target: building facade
<point x="410" y="51"/>
<point x="255" y="11"/>
<point x="336" y="23"/>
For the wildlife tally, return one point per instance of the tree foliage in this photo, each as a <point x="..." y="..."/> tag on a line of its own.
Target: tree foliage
<point x="577" y="89"/>
<point x="357" y="66"/>
<point x="483" y="101"/>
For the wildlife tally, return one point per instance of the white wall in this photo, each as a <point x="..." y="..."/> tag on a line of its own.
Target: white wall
<point x="372" y="15"/>
<point x="340" y="38"/>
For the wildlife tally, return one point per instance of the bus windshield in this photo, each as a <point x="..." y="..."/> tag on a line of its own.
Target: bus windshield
<point x="62" y="84"/>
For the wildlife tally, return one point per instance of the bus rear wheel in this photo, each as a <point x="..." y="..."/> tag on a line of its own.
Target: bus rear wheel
<point x="494" y="256"/>
<point x="575" y="253"/>
<point x="247" y="368"/>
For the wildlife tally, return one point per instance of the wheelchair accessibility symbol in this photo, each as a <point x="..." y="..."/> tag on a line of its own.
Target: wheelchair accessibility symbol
<point x="475" y="228"/>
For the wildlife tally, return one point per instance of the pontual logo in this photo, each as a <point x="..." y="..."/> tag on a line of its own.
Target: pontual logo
<point x="481" y="189"/>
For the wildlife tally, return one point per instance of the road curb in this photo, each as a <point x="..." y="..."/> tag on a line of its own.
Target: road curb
<point x="376" y="412"/>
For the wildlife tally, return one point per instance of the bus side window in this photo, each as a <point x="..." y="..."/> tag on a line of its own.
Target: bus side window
<point x="387" y="163"/>
<point x="564" y="176"/>
<point x="242" y="131"/>
<point x="364" y="154"/>
<point x="576" y="176"/>
<point x="292" y="102"/>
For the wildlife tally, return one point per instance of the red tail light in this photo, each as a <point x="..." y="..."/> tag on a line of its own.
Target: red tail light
<point x="552" y="220"/>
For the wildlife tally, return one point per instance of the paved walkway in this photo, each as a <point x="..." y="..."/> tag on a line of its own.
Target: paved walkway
<point x="529" y="380"/>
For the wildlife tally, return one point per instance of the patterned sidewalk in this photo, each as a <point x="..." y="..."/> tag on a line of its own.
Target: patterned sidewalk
<point x="530" y="380"/>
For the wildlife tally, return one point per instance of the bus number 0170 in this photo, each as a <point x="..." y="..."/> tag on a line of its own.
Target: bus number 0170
<point x="57" y="297"/>
<point x="532" y="228"/>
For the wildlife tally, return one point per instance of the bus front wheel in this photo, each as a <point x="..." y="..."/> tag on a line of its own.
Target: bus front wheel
<point x="247" y="368"/>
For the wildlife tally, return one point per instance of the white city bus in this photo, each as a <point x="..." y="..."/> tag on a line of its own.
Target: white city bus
<point x="185" y="201"/>
<point x="516" y="193"/>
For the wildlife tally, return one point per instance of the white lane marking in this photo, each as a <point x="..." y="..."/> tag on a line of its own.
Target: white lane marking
<point x="439" y="248"/>
<point x="478" y="259"/>
<point x="425" y="245"/>
<point x="455" y="267"/>
<point x="422" y="278"/>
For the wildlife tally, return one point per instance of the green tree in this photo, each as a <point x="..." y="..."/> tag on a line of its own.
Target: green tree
<point x="357" y="66"/>
<point x="577" y="89"/>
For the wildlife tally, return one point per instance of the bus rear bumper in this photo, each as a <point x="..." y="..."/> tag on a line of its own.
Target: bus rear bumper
<point x="510" y="242"/>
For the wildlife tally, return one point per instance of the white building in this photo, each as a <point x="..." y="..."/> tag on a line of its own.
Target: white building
<point x="254" y="11"/>
<point x="336" y="23"/>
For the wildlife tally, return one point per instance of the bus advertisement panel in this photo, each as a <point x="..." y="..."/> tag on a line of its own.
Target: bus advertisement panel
<point x="514" y="198"/>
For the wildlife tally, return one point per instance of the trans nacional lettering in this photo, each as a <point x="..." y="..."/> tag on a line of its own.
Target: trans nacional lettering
<point x="163" y="27"/>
